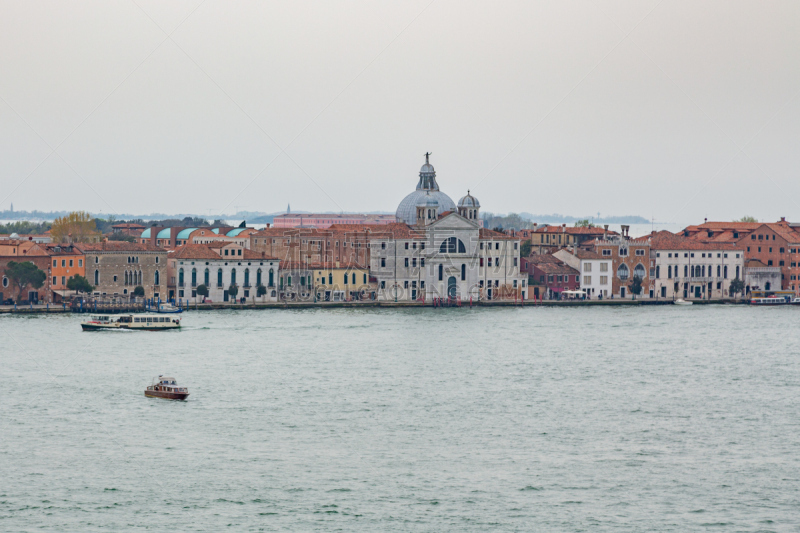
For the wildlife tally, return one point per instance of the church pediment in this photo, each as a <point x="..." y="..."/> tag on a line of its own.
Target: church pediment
<point x="454" y="221"/>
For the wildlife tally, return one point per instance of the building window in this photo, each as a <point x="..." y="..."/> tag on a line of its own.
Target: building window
<point x="606" y="252"/>
<point x="441" y="272"/>
<point x="383" y="261"/>
<point x="156" y="278"/>
<point x="406" y="263"/>
<point x="639" y="271"/>
<point x="96" y="277"/>
<point x="623" y="272"/>
<point x="463" y="272"/>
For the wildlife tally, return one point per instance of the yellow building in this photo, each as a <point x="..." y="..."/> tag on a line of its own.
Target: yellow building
<point x="340" y="282"/>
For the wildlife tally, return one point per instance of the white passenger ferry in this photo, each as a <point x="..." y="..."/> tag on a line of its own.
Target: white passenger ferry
<point x="148" y="322"/>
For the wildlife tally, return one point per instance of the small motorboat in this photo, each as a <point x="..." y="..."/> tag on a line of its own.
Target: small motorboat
<point x="166" y="388"/>
<point x="168" y="308"/>
<point x="681" y="301"/>
<point x="130" y="321"/>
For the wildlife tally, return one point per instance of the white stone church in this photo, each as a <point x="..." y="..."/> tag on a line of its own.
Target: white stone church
<point x="438" y="249"/>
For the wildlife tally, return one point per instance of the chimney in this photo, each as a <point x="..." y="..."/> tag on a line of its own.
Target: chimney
<point x="605" y="231"/>
<point x="705" y="220"/>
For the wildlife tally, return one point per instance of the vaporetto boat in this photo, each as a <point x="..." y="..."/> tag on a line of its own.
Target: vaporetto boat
<point x="148" y="322"/>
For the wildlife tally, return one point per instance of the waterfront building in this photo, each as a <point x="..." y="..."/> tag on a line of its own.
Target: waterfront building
<point x="116" y="268"/>
<point x="325" y="220"/>
<point x="551" y="238"/>
<point x="66" y="261"/>
<point x="219" y="266"/>
<point x="595" y="270"/>
<point x="437" y="249"/>
<point x="550" y="277"/>
<point x="761" y="277"/>
<point x="345" y="244"/>
<point x="342" y="282"/>
<point x="773" y="244"/>
<point x="8" y="290"/>
<point x="630" y="259"/>
<point x="688" y="268"/>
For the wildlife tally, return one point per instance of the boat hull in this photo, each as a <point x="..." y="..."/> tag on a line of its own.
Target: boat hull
<point x="166" y="395"/>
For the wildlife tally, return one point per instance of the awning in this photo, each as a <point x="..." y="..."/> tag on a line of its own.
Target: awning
<point x="64" y="293"/>
<point x="575" y="293"/>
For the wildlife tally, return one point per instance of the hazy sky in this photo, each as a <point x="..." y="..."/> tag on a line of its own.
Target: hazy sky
<point x="673" y="110"/>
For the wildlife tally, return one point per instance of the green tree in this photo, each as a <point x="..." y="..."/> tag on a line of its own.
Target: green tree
<point x="23" y="275"/>
<point x="138" y="291"/>
<point x="233" y="290"/>
<point x="525" y="249"/>
<point x="79" y="284"/>
<point x="583" y="223"/>
<point x="636" y="285"/>
<point x="202" y="290"/>
<point x="737" y="286"/>
<point x="747" y="218"/>
<point x="261" y="290"/>
<point x="118" y="236"/>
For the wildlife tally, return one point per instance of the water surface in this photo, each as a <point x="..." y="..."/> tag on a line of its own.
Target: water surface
<point x="580" y="419"/>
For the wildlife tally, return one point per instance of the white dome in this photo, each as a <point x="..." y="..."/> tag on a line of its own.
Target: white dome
<point x="407" y="210"/>
<point x="427" y="190"/>
<point x="469" y="201"/>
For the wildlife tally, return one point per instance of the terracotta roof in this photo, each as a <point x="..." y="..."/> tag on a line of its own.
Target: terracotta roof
<point x="665" y="240"/>
<point x="118" y="246"/>
<point x="580" y="253"/>
<point x="543" y="258"/>
<point x="556" y="268"/>
<point x="206" y="251"/>
<point x="489" y="234"/>
<point x="194" y="251"/>
<point x="574" y="231"/>
<point x="754" y="263"/>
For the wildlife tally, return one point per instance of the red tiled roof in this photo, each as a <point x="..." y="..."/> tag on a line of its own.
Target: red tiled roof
<point x="490" y="234"/>
<point x="665" y="240"/>
<point x="543" y="258"/>
<point x="556" y="268"/>
<point x="194" y="251"/>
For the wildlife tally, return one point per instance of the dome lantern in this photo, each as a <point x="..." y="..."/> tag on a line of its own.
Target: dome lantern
<point x="469" y="206"/>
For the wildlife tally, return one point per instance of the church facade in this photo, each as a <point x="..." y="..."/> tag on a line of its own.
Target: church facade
<point x="437" y="250"/>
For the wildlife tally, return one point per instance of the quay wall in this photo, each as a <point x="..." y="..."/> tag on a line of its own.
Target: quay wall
<point x="36" y="309"/>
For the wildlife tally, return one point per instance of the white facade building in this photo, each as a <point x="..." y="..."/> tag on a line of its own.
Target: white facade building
<point x="443" y="254"/>
<point x="595" y="270"/>
<point x="686" y="268"/>
<point x="218" y="267"/>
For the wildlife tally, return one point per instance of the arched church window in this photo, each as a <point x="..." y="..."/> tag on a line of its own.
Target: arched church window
<point x="452" y="245"/>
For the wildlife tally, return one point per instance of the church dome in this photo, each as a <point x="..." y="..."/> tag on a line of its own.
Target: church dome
<point x="469" y="201"/>
<point x="427" y="201"/>
<point x="427" y="189"/>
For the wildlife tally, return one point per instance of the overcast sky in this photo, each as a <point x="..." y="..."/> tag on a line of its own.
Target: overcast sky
<point x="673" y="110"/>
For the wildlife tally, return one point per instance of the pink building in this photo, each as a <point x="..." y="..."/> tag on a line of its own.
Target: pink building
<point x="324" y="220"/>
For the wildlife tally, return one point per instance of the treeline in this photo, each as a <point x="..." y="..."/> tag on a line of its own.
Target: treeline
<point x="23" y="226"/>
